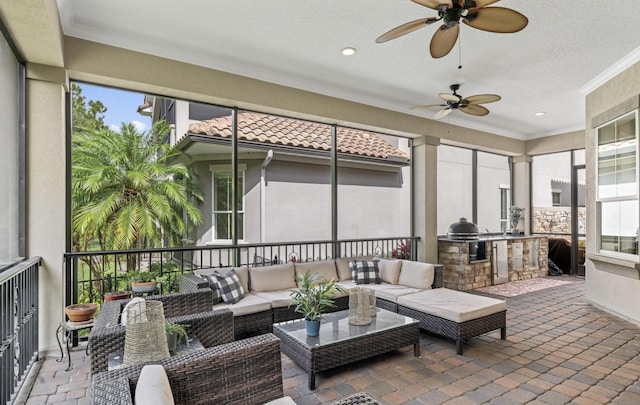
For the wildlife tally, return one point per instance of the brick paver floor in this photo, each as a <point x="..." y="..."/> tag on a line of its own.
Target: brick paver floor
<point x="559" y="349"/>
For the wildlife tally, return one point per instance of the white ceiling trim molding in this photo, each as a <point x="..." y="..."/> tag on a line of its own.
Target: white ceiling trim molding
<point x="612" y="71"/>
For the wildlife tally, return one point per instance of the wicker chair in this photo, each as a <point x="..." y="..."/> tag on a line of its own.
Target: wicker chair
<point x="247" y="372"/>
<point x="194" y="309"/>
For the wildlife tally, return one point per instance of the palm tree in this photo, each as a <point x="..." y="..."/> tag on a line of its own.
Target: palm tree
<point x="126" y="192"/>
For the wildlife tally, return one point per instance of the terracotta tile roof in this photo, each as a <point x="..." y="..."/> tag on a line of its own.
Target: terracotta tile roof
<point x="270" y="129"/>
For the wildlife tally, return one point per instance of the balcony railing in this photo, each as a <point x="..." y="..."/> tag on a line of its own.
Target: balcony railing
<point x="18" y="325"/>
<point x="93" y="274"/>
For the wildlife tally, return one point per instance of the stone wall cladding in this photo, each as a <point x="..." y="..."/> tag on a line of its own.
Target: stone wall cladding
<point x="555" y="220"/>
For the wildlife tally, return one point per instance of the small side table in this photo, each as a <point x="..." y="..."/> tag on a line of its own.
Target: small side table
<point x="67" y="328"/>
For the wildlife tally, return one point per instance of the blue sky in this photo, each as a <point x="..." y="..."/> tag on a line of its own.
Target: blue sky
<point x="121" y="105"/>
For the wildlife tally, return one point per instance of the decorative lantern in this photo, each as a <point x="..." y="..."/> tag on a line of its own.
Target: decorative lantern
<point x="145" y="339"/>
<point x="360" y="306"/>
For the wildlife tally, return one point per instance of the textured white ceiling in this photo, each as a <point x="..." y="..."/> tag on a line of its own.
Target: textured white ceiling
<point x="298" y="42"/>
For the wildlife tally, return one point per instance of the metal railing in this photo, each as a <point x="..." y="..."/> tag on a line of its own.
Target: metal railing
<point x="91" y="275"/>
<point x="18" y="325"/>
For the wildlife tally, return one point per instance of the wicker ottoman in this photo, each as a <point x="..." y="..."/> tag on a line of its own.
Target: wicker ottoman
<point x="455" y="314"/>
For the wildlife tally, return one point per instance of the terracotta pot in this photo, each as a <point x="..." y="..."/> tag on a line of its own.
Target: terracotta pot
<point x="119" y="295"/>
<point x="80" y="312"/>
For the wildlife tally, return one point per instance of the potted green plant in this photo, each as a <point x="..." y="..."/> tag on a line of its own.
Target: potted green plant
<point x="312" y="298"/>
<point x="516" y="213"/>
<point x="175" y="332"/>
<point x="145" y="281"/>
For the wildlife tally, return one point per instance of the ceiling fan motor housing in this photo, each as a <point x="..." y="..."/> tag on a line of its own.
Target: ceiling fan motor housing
<point x="452" y="17"/>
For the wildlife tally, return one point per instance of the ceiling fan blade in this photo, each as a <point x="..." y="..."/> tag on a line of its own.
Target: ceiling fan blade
<point x="442" y="113"/>
<point x="449" y="97"/>
<point x="405" y="29"/>
<point x="482" y="99"/>
<point x="474" y="109"/>
<point x="443" y="40"/>
<point x="496" y="19"/>
<point x="433" y="3"/>
<point x="428" y="106"/>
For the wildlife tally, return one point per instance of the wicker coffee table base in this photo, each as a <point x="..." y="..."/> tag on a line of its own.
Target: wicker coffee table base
<point x="320" y="358"/>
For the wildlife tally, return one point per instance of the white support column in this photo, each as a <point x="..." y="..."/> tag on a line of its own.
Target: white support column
<point x="182" y="119"/>
<point x="521" y="192"/>
<point x="46" y="214"/>
<point x="425" y="198"/>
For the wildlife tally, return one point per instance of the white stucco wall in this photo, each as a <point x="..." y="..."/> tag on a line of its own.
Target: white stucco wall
<point x="614" y="293"/>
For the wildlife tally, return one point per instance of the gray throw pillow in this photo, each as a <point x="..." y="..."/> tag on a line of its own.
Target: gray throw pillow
<point x="367" y="272"/>
<point x="229" y="286"/>
<point x="217" y="298"/>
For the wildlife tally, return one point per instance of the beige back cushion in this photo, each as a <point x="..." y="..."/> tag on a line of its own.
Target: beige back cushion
<point x="272" y="278"/>
<point x="326" y="269"/>
<point x="153" y="387"/>
<point x="242" y="272"/>
<point x="342" y="265"/>
<point x="416" y="274"/>
<point x="389" y="270"/>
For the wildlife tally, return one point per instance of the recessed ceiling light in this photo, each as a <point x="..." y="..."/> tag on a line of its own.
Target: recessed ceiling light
<point x="348" y="51"/>
<point x="539" y="114"/>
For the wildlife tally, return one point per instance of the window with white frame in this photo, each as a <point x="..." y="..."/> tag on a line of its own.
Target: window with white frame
<point x="222" y="178"/>
<point x="617" y="190"/>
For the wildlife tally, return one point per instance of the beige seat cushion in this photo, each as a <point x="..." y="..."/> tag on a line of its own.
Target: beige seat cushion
<point x="347" y="284"/>
<point x="456" y="306"/>
<point x="278" y="299"/>
<point x="416" y="274"/>
<point x="326" y="269"/>
<point x="250" y="304"/>
<point x="386" y="291"/>
<point x="272" y="278"/>
<point x="391" y="292"/>
<point x="153" y="387"/>
<point x="342" y="266"/>
<point x="389" y="270"/>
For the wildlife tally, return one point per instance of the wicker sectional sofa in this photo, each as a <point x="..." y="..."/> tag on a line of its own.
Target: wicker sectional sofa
<point x="405" y="288"/>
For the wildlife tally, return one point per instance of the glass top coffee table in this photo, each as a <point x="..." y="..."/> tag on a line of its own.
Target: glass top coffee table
<point x="340" y="343"/>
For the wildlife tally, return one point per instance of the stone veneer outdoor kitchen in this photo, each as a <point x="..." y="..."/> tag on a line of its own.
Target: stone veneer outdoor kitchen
<point x="525" y="257"/>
